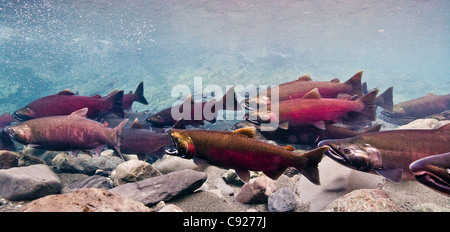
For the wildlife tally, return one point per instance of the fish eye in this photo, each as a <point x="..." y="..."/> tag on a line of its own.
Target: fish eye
<point x="347" y="151"/>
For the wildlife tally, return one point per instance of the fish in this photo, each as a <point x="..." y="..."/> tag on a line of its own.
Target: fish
<point x="137" y="96"/>
<point x="311" y="135"/>
<point x="389" y="153"/>
<point x="66" y="102"/>
<point x="303" y="85"/>
<point x="142" y="142"/>
<point x="312" y="109"/>
<point x="239" y="150"/>
<point x="72" y="132"/>
<point x="6" y="120"/>
<point x="434" y="172"/>
<point x="165" y="118"/>
<point x="405" y="112"/>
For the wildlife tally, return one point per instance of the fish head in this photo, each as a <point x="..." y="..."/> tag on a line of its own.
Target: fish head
<point x="157" y="121"/>
<point x="434" y="172"/>
<point x="258" y="117"/>
<point x="24" y="114"/>
<point x="352" y="153"/>
<point x="184" y="146"/>
<point x="20" y="132"/>
<point x="257" y="102"/>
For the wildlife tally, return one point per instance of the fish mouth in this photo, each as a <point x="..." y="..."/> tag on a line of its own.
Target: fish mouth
<point x="334" y="152"/>
<point x="21" y="117"/>
<point x="247" y="118"/>
<point x="172" y="151"/>
<point x="433" y="181"/>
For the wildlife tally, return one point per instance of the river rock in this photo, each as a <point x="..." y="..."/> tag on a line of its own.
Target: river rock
<point x="171" y="208"/>
<point x="172" y="163"/>
<point x="427" y="123"/>
<point x="84" y="163"/>
<point x="364" y="200"/>
<point x="8" y="159"/>
<point x="132" y="171"/>
<point x="219" y="183"/>
<point x="257" y="190"/>
<point x="282" y="200"/>
<point x="86" y="200"/>
<point x="94" y="181"/>
<point x="27" y="160"/>
<point x="162" y="188"/>
<point x="28" y="183"/>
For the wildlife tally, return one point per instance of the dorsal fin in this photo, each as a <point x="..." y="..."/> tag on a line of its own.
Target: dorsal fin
<point x="430" y="94"/>
<point x="66" y="92"/>
<point x="305" y="77"/>
<point x="180" y="124"/>
<point x="97" y="96"/>
<point x="313" y="94"/>
<point x="289" y="148"/>
<point x="335" y="80"/>
<point x="80" y="112"/>
<point x="246" y="131"/>
<point x="136" y="124"/>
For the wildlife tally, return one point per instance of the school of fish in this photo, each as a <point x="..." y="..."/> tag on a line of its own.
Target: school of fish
<point x="336" y="118"/>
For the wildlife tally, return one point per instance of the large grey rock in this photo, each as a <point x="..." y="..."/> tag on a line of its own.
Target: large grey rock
<point x="85" y="200"/>
<point x="364" y="200"/>
<point x="83" y="163"/>
<point x="133" y="171"/>
<point x="28" y="183"/>
<point x="162" y="188"/>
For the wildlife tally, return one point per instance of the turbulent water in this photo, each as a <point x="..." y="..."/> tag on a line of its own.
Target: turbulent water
<point x="96" y="46"/>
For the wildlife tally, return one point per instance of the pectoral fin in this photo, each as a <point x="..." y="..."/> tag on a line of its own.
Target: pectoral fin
<point x="394" y="175"/>
<point x="244" y="175"/>
<point x="274" y="174"/>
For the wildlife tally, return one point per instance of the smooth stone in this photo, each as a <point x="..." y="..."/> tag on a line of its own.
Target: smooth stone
<point x="133" y="171"/>
<point x="257" y="190"/>
<point x="28" y="183"/>
<point x="8" y="159"/>
<point x="282" y="200"/>
<point x="219" y="183"/>
<point x="83" y="163"/>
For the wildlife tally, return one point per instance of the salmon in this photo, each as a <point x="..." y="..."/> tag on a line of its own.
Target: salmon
<point x="434" y="172"/>
<point x="240" y="151"/>
<point x="72" y="132"/>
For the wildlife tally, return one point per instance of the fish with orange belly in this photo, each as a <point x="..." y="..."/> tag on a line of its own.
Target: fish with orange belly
<point x="240" y="151"/>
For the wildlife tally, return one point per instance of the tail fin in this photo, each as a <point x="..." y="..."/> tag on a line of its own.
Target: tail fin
<point x="116" y="102"/>
<point x="6" y="142"/>
<point x="139" y="94"/>
<point x="308" y="163"/>
<point x="385" y="100"/>
<point x="355" y="83"/>
<point x="232" y="103"/>
<point x="118" y="130"/>
<point x="369" y="105"/>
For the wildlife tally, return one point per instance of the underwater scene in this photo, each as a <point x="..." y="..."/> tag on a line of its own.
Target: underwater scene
<point x="224" y="106"/>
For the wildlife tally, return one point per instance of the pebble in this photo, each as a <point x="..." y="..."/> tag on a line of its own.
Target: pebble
<point x="28" y="183"/>
<point x="257" y="190"/>
<point x="282" y="200"/>
<point x="85" y="200"/>
<point x="84" y="163"/>
<point x="133" y="171"/>
<point x="219" y="183"/>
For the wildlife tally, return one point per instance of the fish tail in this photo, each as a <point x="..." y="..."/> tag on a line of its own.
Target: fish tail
<point x="355" y="83"/>
<point x="385" y="101"/>
<point x="139" y="94"/>
<point x="368" y="101"/>
<point x="308" y="162"/>
<point x="118" y="136"/>
<point x="116" y="101"/>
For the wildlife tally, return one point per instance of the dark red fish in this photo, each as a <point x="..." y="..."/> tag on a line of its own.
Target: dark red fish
<point x="137" y="96"/>
<point x="315" y="110"/>
<point x="434" y="172"/>
<point x="165" y="118"/>
<point x="143" y="142"/>
<point x="422" y="107"/>
<point x="72" y="132"/>
<point x="66" y="102"/>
